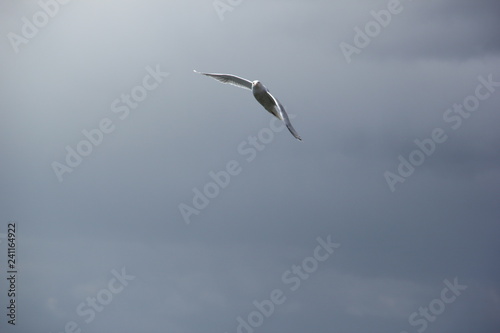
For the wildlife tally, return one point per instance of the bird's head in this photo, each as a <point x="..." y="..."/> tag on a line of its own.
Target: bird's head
<point x="257" y="85"/>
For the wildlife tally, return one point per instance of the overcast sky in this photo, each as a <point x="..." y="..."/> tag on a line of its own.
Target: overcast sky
<point x="148" y="198"/>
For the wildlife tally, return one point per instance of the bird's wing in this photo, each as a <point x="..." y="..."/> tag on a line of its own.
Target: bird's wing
<point x="280" y="109"/>
<point x="230" y="79"/>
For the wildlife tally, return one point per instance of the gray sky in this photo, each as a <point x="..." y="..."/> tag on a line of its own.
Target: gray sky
<point x="399" y="167"/>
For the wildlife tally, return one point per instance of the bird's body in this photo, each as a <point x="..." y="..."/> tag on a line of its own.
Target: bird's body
<point x="261" y="94"/>
<point x="264" y="97"/>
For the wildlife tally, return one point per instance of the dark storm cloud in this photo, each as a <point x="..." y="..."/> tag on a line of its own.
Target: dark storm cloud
<point x="455" y="30"/>
<point x="119" y="208"/>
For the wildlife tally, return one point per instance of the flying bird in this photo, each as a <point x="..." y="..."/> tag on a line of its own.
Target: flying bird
<point x="261" y="94"/>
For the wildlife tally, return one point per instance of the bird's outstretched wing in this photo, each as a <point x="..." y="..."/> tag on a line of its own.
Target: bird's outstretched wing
<point x="230" y="79"/>
<point x="284" y="116"/>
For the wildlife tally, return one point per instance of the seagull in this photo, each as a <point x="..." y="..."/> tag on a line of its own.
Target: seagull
<point x="261" y="94"/>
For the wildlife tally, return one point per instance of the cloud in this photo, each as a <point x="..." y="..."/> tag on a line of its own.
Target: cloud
<point x="119" y="208"/>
